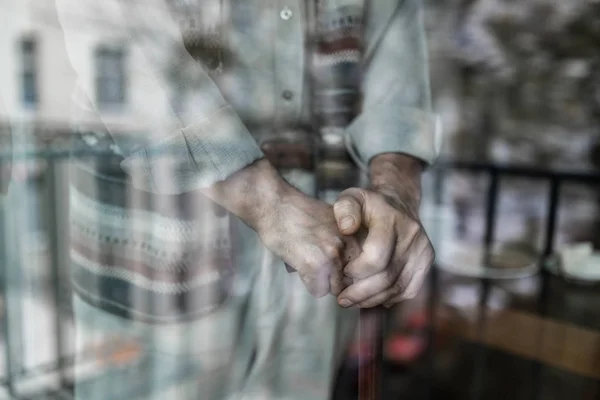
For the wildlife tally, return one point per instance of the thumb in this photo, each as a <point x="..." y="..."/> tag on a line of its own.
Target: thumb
<point x="348" y="212"/>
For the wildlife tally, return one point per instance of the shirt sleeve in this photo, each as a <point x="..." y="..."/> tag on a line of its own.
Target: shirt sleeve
<point x="178" y="149"/>
<point x="396" y="114"/>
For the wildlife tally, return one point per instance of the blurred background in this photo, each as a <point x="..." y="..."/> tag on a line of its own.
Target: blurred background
<point x="512" y="306"/>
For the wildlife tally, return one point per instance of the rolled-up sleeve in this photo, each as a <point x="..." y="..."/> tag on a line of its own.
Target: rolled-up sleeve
<point x="195" y="156"/>
<point x="397" y="116"/>
<point x="201" y="144"/>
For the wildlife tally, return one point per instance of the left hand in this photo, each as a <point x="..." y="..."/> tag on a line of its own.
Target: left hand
<point x="396" y="255"/>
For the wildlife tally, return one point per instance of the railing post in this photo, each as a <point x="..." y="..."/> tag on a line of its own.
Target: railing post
<point x="438" y="185"/>
<point x="554" y="199"/>
<point x="58" y="226"/>
<point x="13" y="219"/>
<point x="433" y="277"/>
<point x="490" y="215"/>
<point x="5" y="278"/>
<point x="542" y="303"/>
<point x="488" y="241"/>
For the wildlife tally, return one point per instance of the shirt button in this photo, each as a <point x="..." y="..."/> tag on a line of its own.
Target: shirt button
<point x="287" y="94"/>
<point x="286" y="14"/>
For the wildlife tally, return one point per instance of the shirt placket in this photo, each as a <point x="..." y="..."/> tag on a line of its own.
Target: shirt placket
<point x="289" y="61"/>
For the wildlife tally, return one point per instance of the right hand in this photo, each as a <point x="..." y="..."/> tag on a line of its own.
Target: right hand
<point x="304" y="233"/>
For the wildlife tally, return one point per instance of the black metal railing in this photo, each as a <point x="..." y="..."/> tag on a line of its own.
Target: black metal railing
<point x="557" y="179"/>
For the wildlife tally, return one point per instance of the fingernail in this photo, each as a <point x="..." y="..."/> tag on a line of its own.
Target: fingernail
<point x="346" y="223"/>
<point x="345" y="303"/>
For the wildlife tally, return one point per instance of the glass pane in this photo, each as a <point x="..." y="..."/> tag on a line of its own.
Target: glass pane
<point x="113" y="90"/>
<point x="30" y="95"/>
<point x="121" y="280"/>
<point x="110" y="72"/>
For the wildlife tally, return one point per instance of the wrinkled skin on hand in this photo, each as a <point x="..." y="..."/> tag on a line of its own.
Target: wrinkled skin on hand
<point x="304" y="233"/>
<point x="396" y="253"/>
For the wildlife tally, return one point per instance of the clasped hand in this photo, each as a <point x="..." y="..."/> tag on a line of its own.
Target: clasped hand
<point x="368" y="249"/>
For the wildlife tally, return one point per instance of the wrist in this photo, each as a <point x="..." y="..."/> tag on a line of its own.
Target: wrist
<point x="251" y="193"/>
<point x="398" y="177"/>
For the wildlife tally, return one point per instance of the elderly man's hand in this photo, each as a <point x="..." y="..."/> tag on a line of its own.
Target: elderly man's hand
<point x="304" y="233"/>
<point x="396" y="252"/>
<point x="299" y="229"/>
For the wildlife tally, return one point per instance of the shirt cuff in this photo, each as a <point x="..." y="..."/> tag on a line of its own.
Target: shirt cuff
<point x="194" y="157"/>
<point x="395" y="130"/>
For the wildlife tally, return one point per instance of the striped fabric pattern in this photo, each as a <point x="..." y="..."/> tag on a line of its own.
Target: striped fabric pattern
<point x="156" y="258"/>
<point x="337" y="59"/>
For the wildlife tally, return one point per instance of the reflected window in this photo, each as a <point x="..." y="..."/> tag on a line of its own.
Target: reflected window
<point x="29" y="75"/>
<point x="110" y="76"/>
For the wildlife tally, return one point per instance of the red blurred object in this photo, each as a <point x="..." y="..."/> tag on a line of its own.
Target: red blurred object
<point x="408" y="345"/>
<point x="405" y="349"/>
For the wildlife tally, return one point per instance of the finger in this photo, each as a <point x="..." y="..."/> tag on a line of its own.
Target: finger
<point x="347" y="281"/>
<point x="400" y="282"/>
<point x="318" y="282"/>
<point x="424" y="262"/>
<point x="416" y="283"/>
<point x="377" y="250"/>
<point x="317" y="286"/>
<point x="409" y="279"/>
<point x="337" y="282"/>
<point x="411" y="291"/>
<point x="352" y="246"/>
<point x="380" y="285"/>
<point x="378" y="299"/>
<point x="351" y="251"/>
<point x="348" y="212"/>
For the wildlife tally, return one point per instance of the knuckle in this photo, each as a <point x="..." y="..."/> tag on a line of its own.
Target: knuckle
<point x="413" y="228"/>
<point x="398" y="287"/>
<point x="330" y="251"/>
<point x="316" y="258"/>
<point x="315" y="286"/>
<point x="430" y="255"/>
<point x="374" y="256"/>
<point x="391" y="278"/>
<point x="337" y="242"/>
<point x="386" y="222"/>
<point x="410" y="295"/>
<point x="422" y="274"/>
<point x="390" y="304"/>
